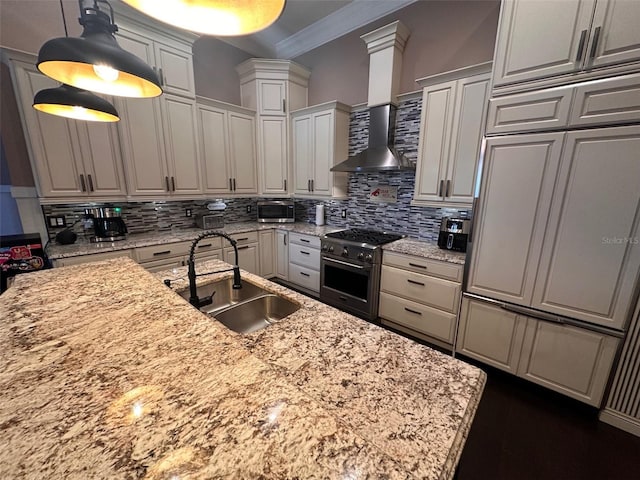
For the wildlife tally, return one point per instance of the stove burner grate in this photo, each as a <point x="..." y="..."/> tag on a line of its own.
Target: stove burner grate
<point x="362" y="235"/>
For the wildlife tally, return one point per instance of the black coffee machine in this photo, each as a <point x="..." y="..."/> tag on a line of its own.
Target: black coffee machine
<point x="107" y="224"/>
<point x="453" y="234"/>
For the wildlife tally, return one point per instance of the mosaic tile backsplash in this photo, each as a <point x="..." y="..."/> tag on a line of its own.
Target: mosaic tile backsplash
<point x="401" y="217"/>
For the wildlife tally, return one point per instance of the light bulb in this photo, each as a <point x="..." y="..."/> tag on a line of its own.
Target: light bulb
<point x="106" y="73"/>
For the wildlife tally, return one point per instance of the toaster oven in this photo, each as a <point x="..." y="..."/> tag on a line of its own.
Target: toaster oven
<point x="209" y="222"/>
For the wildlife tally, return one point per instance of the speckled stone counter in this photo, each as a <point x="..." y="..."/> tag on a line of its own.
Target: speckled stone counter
<point x="425" y="249"/>
<point x="112" y="375"/>
<point x="84" y="247"/>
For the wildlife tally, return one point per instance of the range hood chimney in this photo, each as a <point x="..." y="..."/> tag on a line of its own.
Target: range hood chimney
<point x="385" y="46"/>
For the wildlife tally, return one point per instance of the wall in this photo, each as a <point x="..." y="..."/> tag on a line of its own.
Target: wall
<point x="445" y="35"/>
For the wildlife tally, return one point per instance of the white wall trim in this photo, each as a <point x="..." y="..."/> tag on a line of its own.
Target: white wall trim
<point x="23" y="192"/>
<point x="345" y="20"/>
<point x="621" y="421"/>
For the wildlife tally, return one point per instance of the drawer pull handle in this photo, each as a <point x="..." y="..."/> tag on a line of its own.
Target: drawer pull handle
<point x="415" y="283"/>
<point x="304" y="253"/>
<point x="242" y="239"/>
<point x="344" y="299"/>
<point x="417" y="266"/>
<point x="305" y="240"/>
<point x="412" y="311"/>
<point x="244" y="247"/>
<point x="305" y="274"/>
<point x="164" y="252"/>
<point x="205" y="245"/>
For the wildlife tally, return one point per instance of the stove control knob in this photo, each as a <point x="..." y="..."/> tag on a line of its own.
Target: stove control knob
<point x="330" y="248"/>
<point x="325" y="247"/>
<point x="360" y="256"/>
<point x="368" y="258"/>
<point x="345" y="252"/>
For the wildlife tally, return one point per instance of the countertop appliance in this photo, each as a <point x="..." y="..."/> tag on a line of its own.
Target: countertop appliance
<point x="108" y="225"/>
<point x="208" y="222"/>
<point x="350" y="268"/>
<point x="276" y="211"/>
<point x="454" y="233"/>
<point x="20" y="254"/>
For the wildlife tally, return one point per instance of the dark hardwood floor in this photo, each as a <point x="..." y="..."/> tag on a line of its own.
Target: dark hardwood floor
<point x="525" y="432"/>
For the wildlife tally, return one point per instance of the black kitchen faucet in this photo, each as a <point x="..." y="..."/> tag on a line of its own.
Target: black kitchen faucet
<point x="193" y="293"/>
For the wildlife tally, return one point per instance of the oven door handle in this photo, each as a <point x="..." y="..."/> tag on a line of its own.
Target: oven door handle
<point x="346" y="264"/>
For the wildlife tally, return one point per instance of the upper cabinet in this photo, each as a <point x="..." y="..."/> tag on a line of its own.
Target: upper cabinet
<point x="320" y="141"/>
<point x="227" y="141"/>
<point x="540" y="39"/>
<point x="72" y="160"/>
<point x="273" y="88"/>
<point x="451" y="128"/>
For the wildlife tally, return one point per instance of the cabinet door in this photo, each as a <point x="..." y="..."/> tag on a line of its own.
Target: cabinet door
<point x="267" y="253"/>
<point x="570" y="360"/>
<point x="462" y="168"/>
<point x="618" y="39"/>
<point x="591" y="253"/>
<point x="213" y="133"/>
<point x="490" y="334"/>
<point x="175" y="69"/>
<point x="143" y="152"/>
<point x="53" y="140"/>
<point x="302" y="157"/>
<point x="323" y="142"/>
<point x="271" y="97"/>
<point x="248" y="257"/>
<point x="540" y="38"/>
<point x="100" y="146"/>
<point x="282" y="254"/>
<point x="517" y="184"/>
<point x="273" y="155"/>
<point x="436" y="124"/>
<point x="242" y="153"/>
<point x="181" y="143"/>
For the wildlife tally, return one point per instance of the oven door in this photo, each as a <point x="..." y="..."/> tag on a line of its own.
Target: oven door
<point x="349" y="287"/>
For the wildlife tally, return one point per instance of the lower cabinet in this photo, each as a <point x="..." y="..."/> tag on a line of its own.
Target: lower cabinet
<point x="420" y="297"/>
<point x="282" y="254"/>
<point x="248" y="252"/>
<point x="304" y="261"/>
<point x="267" y="251"/>
<point x="571" y="360"/>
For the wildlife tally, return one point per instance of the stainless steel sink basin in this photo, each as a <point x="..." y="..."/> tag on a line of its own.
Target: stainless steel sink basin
<point x="225" y="295"/>
<point x="255" y="314"/>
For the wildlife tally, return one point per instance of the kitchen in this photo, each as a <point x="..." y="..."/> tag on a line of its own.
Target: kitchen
<point x="476" y="28"/>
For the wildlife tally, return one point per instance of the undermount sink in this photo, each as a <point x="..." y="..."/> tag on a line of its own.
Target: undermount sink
<point x="255" y="314"/>
<point x="225" y="295"/>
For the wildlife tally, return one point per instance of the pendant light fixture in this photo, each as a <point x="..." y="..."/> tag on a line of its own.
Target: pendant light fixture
<point x="213" y="17"/>
<point x="71" y="102"/>
<point x="95" y="61"/>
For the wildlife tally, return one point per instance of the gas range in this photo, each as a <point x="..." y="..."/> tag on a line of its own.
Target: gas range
<point x="357" y="245"/>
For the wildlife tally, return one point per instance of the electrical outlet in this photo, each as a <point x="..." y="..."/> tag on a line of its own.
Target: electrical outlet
<point x="248" y="208"/>
<point x="187" y="212"/>
<point x="56" y="221"/>
<point x="343" y="214"/>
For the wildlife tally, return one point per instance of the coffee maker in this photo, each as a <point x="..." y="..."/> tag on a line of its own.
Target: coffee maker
<point x="454" y="233"/>
<point x="107" y="224"/>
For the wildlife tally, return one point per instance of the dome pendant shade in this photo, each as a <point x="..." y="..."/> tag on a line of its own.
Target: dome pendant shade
<point x="96" y="62"/>
<point x="213" y="17"/>
<point x="70" y="102"/>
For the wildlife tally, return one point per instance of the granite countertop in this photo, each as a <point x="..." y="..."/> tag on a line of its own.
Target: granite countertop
<point x="425" y="249"/>
<point x="84" y="247"/>
<point x="114" y="375"/>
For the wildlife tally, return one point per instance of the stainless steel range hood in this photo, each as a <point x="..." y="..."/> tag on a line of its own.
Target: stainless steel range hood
<point x="385" y="46"/>
<point x="380" y="155"/>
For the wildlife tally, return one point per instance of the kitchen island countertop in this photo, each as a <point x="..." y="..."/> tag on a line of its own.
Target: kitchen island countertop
<point x="108" y="373"/>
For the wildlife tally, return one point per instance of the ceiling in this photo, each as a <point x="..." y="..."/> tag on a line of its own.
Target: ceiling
<point x="308" y="24"/>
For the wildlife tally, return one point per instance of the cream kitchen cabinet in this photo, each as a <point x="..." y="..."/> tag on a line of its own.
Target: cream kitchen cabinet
<point x="73" y="160"/>
<point x="451" y="129"/>
<point x="227" y="141"/>
<point x="538" y="39"/>
<point x="160" y="146"/>
<point x="282" y="254"/>
<point x="571" y="360"/>
<point x="248" y="252"/>
<point x="420" y="297"/>
<point x="273" y="88"/>
<point x="266" y="240"/>
<point x="320" y="141"/>
<point x="304" y="262"/>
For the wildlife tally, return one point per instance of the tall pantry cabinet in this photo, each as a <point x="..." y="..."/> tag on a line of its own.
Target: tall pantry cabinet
<point x="273" y="88"/>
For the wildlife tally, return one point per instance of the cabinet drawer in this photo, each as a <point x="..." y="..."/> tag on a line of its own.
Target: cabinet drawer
<point x="164" y="264"/>
<point x="95" y="257"/>
<point x="166" y="250"/>
<point x="450" y="271"/>
<point x="208" y="245"/>
<point x="305" y="277"/>
<point x="246" y="237"/>
<point x="432" y="291"/>
<point x="308" y="257"/>
<point x="524" y="112"/>
<point x="605" y="102"/>
<point x="418" y="317"/>
<point x="308" y="240"/>
<point x="207" y="255"/>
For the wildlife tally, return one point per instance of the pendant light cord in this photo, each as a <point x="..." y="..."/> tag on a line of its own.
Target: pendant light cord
<point x="64" y="20"/>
